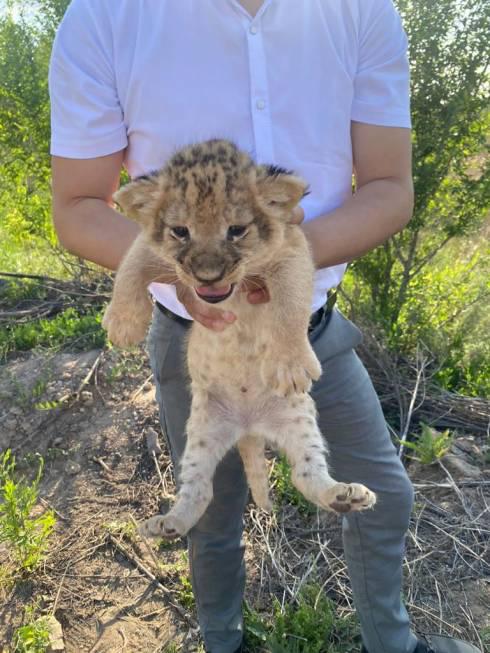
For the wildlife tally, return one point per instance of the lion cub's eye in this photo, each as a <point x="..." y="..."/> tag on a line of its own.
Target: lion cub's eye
<point x="181" y="233"/>
<point x="235" y="232"/>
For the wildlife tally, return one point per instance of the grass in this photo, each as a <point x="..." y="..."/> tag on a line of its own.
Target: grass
<point x="26" y="537"/>
<point x="309" y="626"/>
<point x="67" y="329"/>
<point x="29" y="256"/>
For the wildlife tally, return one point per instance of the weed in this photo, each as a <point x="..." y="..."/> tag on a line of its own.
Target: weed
<point x="26" y="537"/>
<point x="285" y="492"/>
<point x="122" y="529"/>
<point x="124" y="368"/>
<point x="66" y="328"/>
<point x="33" y="637"/>
<point x="185" y="592"/>
<point x="485" y="636"/>
<point x="310" y="626"/>
<point x="430" y="446"/>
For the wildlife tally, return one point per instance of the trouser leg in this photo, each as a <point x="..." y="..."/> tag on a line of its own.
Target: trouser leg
<point x="361" y="451"/>
<point x="215" y="543"/>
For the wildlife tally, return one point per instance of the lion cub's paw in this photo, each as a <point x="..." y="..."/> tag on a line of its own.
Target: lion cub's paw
<point x="348" y="497"/>
<point x="125" y="328"/>
<point x="291" y="376"/>
<point x="262" y="499"/>
<point x="164" y="526"/>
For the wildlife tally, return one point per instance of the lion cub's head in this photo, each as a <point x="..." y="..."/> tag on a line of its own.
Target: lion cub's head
<point x="213" y="215"/>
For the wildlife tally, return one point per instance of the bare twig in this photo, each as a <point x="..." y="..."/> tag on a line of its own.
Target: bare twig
<point x="171" y="600"/>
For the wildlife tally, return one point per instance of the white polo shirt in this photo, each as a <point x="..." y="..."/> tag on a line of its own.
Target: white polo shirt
<point x="151" y="76"/>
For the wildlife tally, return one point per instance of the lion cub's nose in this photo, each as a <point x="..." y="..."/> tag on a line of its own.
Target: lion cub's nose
<point x="209" y="276"/>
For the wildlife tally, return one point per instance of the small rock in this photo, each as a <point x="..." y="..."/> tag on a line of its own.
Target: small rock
<point x="73" y="468"/>
<point x="57" y="442"/>
<point x="458" y="466"/>
<point x="10" y="423"/>
<point x="87" y="397"/>
<point x="152" y="443"/>
<point x="55" y="635"/>
<point x="16" y="410"/>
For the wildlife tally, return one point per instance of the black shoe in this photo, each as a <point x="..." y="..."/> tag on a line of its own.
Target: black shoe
<point x="441" y="644"/>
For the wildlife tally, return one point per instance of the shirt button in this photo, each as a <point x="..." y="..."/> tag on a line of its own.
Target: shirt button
<point x="253" y="30"/>
<point x="260" y="104"/>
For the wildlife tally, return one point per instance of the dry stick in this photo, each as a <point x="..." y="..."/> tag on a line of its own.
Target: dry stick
<point x="16" y="275"/>
<point x="55" y="604"/>
<point x="146" y="544"/>
<point x="157" y="466"/>
<point x="137" y="392"/>
<point x="456" y="489"/>
<point x="420" y="372"/>
<point x="74" y="396"/>
<point x="167" y="593"/>
<point x="48" y="505"/>
<point x="433" y="616"/>
<point x="104" y="465"/>
<point x="457" y="541"/>
<point x="432" y="485"/>
<point x="469" y="619"/>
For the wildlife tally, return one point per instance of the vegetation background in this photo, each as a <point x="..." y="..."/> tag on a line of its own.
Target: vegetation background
<point x="425" y="290"/>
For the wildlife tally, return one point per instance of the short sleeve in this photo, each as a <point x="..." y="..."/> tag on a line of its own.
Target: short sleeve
<point x="86" y="116"/>
<point x="382" y="80"/>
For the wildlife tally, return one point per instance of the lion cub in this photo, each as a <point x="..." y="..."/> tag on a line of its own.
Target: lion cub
<point x="212" y="219"/>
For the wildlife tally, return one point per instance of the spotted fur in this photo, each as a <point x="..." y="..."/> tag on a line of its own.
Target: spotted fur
<point x="211" y="219"/>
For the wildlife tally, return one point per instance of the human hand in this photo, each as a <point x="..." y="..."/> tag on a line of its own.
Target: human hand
<point x="298" y="215"/>
<point x="206" y="314"/>
<point x="216" y="318"/>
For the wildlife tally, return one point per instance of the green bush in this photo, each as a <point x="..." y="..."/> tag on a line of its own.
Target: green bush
<point x="26" y="537"/>
<point x="33" y="637"/>
<point x="310" y="626"/>
<point x="67" y="329"/>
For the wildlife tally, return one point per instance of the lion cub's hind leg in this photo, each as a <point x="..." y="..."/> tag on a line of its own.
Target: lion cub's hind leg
<point x="252" y="452"/>
<point x="208" y="441"/>
<point x="305" y="448"/>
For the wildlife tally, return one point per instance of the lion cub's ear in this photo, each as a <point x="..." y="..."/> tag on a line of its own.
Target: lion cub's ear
<point x="139" y="199"/>
<point x="278" y="188"/>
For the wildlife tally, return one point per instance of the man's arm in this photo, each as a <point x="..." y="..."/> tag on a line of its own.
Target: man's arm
<point x="88" y="226"/>
<point x="382" y="204"/>
<point x="84" y="217"/>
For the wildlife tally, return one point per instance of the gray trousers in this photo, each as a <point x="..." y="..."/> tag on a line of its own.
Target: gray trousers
<point x="361" y="451"/>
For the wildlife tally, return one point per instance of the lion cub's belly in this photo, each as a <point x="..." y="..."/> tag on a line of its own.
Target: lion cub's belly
<point x="226" y="365"/>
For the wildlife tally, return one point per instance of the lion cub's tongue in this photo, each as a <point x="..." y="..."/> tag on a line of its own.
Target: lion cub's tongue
<point x="209" y="291"/>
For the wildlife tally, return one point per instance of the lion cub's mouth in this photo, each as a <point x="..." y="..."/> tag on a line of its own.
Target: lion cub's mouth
<point x="214" y="295"/>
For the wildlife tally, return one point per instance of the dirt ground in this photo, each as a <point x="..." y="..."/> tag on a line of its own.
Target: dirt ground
<point x="100" y="474"/>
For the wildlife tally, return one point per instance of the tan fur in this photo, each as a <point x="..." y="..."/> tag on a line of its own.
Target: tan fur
<point x="250" y="382"/>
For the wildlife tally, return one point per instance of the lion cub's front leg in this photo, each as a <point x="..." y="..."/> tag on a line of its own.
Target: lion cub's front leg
<point x="289" y="364"/>
<point x="128" y="315"/>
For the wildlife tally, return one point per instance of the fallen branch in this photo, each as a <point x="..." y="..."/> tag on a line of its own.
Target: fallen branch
<point x="167" y="593"/>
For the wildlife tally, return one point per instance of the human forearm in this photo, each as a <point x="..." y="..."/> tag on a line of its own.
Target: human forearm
<point x="375" y="212"/>
<point x="93" y="230"/>
<point x="84" y="217"/>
